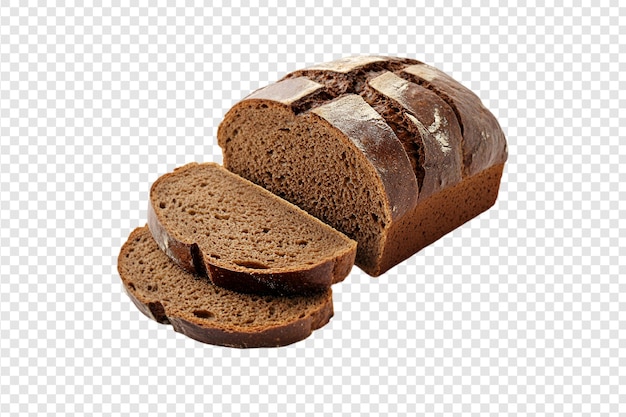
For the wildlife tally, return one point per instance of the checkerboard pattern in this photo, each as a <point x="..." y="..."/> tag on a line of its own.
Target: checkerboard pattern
<point x="519" y="312"/>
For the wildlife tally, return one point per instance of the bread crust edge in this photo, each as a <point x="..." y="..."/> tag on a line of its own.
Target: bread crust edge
<point x="271" y="337"/>
<point x="187" y="255"/>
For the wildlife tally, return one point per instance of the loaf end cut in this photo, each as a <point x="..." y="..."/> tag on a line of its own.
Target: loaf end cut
<point x="390" y="151"/>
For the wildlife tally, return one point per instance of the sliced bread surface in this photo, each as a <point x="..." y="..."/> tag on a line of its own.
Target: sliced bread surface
<point x="195" y="307"/>
<point x="242" y="237"/>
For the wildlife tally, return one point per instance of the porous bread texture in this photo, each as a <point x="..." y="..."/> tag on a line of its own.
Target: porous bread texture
<point x="307" y="161"/>
<point x="195" y="307"/>
<point x="275" y="137"/>
<point x="241" y="236"/>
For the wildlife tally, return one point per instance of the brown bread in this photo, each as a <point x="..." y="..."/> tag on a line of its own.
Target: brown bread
<point x="390" y="151"/>
<point x="213" y="223"/>
<point x="195" y="307"/>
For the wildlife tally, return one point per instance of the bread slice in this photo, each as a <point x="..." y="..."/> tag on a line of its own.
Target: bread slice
<point x="390" y="151"/>
<point x="216" y="224"/>
<point x="195" y="307"/>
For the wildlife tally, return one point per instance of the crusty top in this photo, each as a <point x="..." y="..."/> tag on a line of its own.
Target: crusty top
<point x="363" y="127"/>
<point x="287" y="92"/>
<point x="484" y="144"/>
<point x="372" y="136"/>
<point x="347" y="64"/>
<point x="454" y="135"/>
<point x="484" y="141"/>
<point x="436" y="126"/>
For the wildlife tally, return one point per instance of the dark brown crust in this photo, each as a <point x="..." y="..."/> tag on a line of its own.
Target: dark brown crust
<point x="349" y="75"/>
<point x="366" y="130"/>
<point x="421" y="116"/>
<point x="399" y="102"/>
<point x="351" y="64"/>
<point x="478" y="147"/>
<point x="484" y="142"/>
<point x="298" y="93"/>
<point x="362" y="125"/>
<point x="273" y="337"/>
<point x="440" y="214"/>
<point x="270" y="337"/>
<point x="308" y="279"/>
<point x="406" y="131"/>
<point x="151" y="309"/>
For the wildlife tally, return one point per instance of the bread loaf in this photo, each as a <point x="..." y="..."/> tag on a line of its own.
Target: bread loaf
<point x="193" y="306"/>
<point x="392" y="152"/>
<point x="213" y="223"/>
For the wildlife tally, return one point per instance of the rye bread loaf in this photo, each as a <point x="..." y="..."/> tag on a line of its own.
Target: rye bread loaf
<point x="392" y="152"/>
<point x="193" y="306"/>
<point x="214" y="223"/>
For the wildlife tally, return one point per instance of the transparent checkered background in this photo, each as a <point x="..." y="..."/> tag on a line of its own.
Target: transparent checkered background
<point x="519" y="312"/>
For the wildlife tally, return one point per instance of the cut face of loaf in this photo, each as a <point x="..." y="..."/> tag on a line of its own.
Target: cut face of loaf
<point x="213" y="223"/>
<point x="193" y="306"/>
<point x="390" y="151"/>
